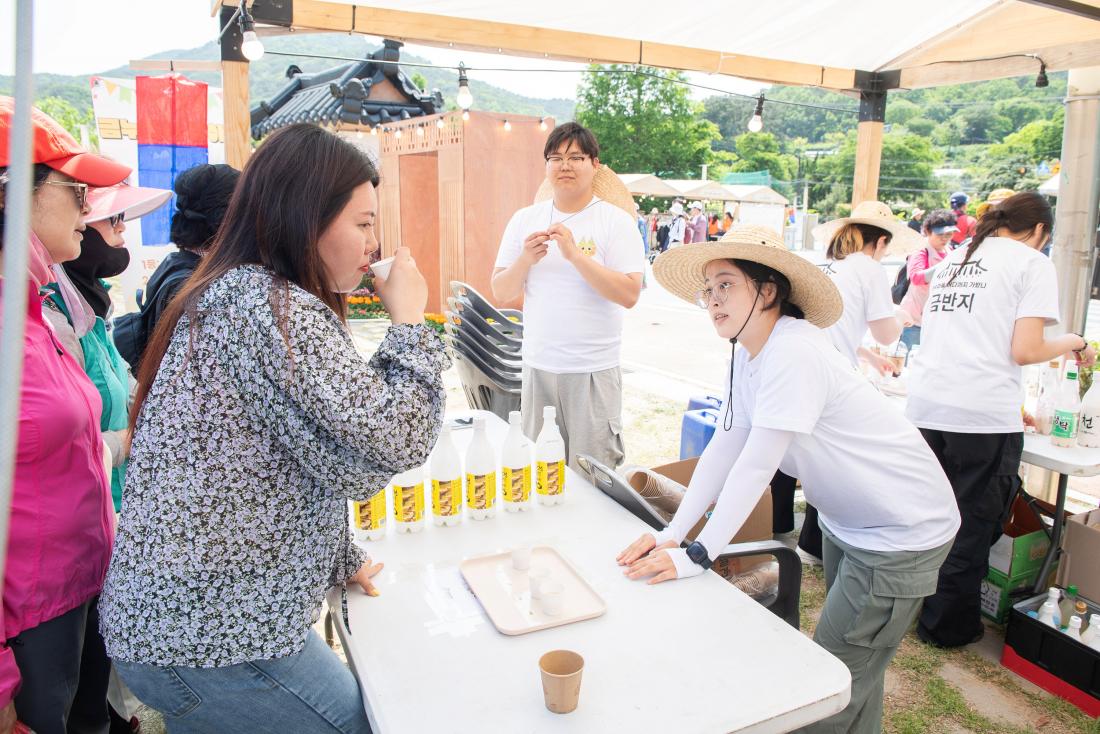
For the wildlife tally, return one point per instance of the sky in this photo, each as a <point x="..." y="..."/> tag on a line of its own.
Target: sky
<point x="87" y="37"/>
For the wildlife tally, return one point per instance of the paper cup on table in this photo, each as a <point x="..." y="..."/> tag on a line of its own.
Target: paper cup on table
<point x="382" y="267"/>
<point x="552" y="596"/>
<point x="561" y="680"/>
<point x="521" y="559"/>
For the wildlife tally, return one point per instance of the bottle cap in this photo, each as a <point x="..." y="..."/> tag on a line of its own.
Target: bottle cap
<point x="1072" y="589"/>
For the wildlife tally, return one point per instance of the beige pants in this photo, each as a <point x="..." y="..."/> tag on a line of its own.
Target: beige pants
<point x="589" y="409"/>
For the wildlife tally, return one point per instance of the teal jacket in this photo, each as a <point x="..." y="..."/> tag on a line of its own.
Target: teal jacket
<point x="111" y="376"/>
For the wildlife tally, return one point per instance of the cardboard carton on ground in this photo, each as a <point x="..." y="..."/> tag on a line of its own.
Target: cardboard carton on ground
<point x="997" y="592"/>
<point x="1080" y="564"/>
<point x="758" y="525"/>
<point x="1022" y="548"/>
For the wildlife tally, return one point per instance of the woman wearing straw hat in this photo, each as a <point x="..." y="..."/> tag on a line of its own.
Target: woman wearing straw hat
<point x="795" y="403"/>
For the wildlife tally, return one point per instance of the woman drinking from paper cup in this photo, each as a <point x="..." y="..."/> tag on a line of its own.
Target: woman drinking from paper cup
<point x="795" y="403"/>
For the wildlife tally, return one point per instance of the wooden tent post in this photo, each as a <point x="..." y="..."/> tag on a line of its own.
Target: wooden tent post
<point x="872" y="114"/>
<point x="238" y="135"/>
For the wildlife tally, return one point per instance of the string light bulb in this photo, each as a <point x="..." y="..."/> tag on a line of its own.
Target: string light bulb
<point x="465" y="115"/>
<point x="439" y="123"/>
<point x="397" y="133"/>
<point x="1041" y="80"/>
<point x="419" y="131"/>
<point x="252" y="48"/>
<point x="507" y="126"/>
<point x="756" y="122"/>
<point x="542" y="124"/>
<point x="374" y="131"/>
<point x="359" y="134"/>
<point x="464" y="98"/>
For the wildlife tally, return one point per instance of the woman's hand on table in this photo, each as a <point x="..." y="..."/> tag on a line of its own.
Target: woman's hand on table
<point x="661" y="565"/>
<point x="883" y="365"/>
<point x="364" y="575"/>
<point x="637" y="549"/>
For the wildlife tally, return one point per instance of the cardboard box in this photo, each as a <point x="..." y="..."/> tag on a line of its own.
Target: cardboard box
<point x="1080" y="563"/>
<point x="997" y="592"/>
<point x="758" y="525"/>
<point x="1022" y="548"/>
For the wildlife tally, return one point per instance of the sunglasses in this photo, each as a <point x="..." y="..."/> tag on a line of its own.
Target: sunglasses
<point x="80" y="189"/>
<point x="116" y="219"/>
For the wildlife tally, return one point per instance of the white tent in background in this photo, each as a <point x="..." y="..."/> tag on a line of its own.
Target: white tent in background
<point x="692" y="188"/>
<point x="646" y="184"/>
<point x="1051" y="185"/>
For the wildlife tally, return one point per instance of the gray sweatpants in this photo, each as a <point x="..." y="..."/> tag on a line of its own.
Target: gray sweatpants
<point x="872" y="599"/>
<point x="589" y="407"/>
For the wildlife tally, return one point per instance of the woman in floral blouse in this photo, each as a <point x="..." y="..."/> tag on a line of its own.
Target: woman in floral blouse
<point x="255" y="422"/>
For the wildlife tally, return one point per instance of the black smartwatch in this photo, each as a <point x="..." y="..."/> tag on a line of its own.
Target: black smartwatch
<point x="697" y="552"/>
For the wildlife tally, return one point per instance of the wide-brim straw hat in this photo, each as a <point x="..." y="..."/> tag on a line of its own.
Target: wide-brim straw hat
<point x="996" y="196"/>
<point x="605" y="184"/>
<point x="681" y="270"/>
<point x="903" y="241"/>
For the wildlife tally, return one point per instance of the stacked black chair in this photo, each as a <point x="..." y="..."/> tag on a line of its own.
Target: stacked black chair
<point x="485" y="343"/>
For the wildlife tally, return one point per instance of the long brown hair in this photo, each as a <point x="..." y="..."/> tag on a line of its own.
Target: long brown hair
<point x="289" y="192"/>
<point x="1018" y="214"/>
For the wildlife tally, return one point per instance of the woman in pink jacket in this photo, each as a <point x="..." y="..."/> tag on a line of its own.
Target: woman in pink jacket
<point x="53" y="666"/>
<point x="937" y="229"/>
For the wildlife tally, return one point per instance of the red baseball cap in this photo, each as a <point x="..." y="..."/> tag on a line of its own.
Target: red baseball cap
<point x="56" y="148"/>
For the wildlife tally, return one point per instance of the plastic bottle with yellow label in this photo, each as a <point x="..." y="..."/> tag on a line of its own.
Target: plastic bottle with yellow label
<point x="408" y="501"/>
<point x="550" y="461"/>
<point x="446" y="470"/>
<point x="515" y="467"/>
<point x="481" y="474"/>
<point x="368" y="517"/>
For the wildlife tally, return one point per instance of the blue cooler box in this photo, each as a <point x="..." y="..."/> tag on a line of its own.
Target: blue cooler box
<point x="696" y="430"/>
<point x="698" y="402"/>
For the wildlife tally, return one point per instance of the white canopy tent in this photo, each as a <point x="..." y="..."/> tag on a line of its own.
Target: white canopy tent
<point x="1051" y="185"/>
<point x="646" y="184"/>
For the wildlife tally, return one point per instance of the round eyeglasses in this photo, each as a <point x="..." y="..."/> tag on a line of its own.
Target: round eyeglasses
<point x="718" y="294"/>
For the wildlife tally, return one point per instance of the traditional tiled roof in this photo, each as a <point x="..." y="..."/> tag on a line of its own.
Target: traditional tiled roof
<point x="342" y="95"/>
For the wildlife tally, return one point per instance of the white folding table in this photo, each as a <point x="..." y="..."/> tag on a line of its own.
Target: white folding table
<point x="693" y="655"/>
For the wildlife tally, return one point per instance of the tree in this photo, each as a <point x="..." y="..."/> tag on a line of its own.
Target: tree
<point x="905" y="174"/>
<point x="67" y="114"/>
<point x="920" y="126"/>
<point x="645" y="122"/>
<point x="900" y="111"/>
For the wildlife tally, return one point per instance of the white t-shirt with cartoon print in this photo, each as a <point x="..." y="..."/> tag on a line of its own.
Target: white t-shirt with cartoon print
<point x="568" y="327"/>
<point x="964" y="379"/>
<point x="865" y="291"/>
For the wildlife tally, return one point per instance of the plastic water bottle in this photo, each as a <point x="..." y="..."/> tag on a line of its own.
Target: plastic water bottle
<point x="1088" y="430"/>
<point x="369" y="517"/>
<point x="550" y="460"/>
<point x="1067" y="607"/>
<point x="408" y="500"/>
<point x="446" y="468"/>
<point x="1067" y="409"/>
<point x="1048" y="613"/>
<point x="515" y="470"/>
<point x="1074" y="628"/>
<point x="1091" y="636"/>
<point x="481" y="474"/>
<point x="1048" y="392"/>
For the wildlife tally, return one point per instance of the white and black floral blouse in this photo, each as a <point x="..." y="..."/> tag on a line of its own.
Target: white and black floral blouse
<point x="234" y="521"/>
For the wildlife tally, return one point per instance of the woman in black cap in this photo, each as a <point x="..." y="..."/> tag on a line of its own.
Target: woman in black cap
<point x="202" y="196"/>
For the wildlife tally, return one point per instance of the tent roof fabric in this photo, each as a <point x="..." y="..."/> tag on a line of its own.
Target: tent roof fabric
<point x="821" y="43"/>
<point x="646" y="184"/>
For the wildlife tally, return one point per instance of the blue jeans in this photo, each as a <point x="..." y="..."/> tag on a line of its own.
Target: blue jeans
<point x="308" y="692"/>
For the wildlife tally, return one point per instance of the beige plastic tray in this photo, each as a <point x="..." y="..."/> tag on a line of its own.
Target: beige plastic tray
<point x="505" y="593"/>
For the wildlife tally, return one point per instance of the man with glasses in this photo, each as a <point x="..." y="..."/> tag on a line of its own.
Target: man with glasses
<point x="574" y="259"/>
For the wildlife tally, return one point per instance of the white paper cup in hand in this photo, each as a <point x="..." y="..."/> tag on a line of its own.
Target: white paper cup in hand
<point x="382" y="267"/>
<point x="521" y="559"/>
<point x="552" y="598"/>
<point x="539" y="576"/>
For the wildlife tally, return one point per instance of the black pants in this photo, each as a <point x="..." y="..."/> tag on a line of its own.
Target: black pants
<point x="984" y="472"/>
<point x="809" y="538"/>
<point x="65" y="672"/>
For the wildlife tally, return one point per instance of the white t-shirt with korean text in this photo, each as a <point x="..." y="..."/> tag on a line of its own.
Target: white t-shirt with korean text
<point x="865" y="290"/>
<point x="964" y="379"/>
<point x="568" y="327"/>
<point x="867" y="470"/>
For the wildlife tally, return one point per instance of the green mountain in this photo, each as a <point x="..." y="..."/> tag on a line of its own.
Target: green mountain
<point x="268" y="75"/>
